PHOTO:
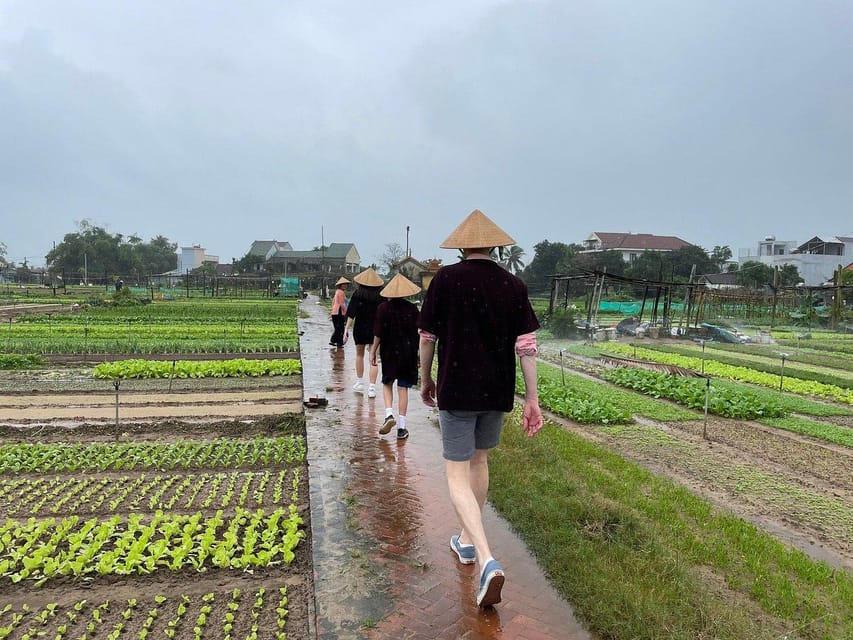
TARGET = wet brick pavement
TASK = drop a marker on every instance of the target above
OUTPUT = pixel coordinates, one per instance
(381, 521)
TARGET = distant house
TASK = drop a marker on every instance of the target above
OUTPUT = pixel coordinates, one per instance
(411, 268)
(263, 250)
(338, 258)
(816, 259)
(266, 248)
(421, 273)
(631, 245)
(718, 280)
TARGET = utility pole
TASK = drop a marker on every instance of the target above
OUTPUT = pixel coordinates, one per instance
(323, 262)
(408, 253)
(836, 300)
(775, 289)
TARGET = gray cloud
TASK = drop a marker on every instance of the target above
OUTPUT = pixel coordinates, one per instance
(209, 122)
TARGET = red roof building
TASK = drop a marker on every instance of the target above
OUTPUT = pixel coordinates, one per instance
(631, 245)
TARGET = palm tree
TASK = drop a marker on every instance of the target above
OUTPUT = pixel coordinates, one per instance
(511, 258)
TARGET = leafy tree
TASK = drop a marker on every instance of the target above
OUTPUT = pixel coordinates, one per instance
(24, 274)
(158, 255)
(546, 258)
(511, 258)
(610, 261)
(206, 268)
(754, 274)
(671, 265)
(650, 265)
(2, 254)
(789, 276)
(249, 263)
(721, 254)
(91, 252)
(683, 260)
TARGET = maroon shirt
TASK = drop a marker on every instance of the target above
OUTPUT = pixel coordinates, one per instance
(476, 309)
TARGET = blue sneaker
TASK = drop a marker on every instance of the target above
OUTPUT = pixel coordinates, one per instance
(465, 552)
(491, 583)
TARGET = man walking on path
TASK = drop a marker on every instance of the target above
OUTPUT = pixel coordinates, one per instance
(479, 317)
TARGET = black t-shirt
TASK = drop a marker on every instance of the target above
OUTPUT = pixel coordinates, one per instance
(362, 309)
(476, 309)
(397, 329)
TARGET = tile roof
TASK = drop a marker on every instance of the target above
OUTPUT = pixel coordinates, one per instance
(640, 241)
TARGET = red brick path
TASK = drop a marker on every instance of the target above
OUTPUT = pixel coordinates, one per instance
(382, 520)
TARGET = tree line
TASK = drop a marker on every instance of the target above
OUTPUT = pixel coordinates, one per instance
(92, 252)
(552, 258)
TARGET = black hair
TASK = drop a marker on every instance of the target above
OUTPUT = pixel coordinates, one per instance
(367, 294)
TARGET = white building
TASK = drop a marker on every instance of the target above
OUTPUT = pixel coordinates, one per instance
(191, 258)
(815, 260)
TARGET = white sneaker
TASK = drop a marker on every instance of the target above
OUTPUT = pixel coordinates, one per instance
(371, 391)
(358, 387)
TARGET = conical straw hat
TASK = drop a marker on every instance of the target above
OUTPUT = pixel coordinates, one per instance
(341, 280)
(369, 278)
(399, 287)
(476, 231)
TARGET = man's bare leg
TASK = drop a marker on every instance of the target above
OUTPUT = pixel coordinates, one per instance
(468, 483)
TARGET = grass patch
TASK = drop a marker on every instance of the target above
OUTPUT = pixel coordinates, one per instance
(641, 557)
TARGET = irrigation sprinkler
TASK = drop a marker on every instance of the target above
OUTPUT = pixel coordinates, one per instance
(707, 396)
(172, 375)
(562, 372)
(703, 342)
(782, 370)
(116, 384)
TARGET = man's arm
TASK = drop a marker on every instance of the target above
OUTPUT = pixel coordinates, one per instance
(531, 419)
(427, 352)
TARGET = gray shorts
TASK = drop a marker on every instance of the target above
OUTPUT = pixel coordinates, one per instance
(463, 432)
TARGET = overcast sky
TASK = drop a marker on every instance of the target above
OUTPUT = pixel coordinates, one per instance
(218, 123)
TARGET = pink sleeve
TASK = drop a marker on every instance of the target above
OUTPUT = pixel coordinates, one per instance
(525, 345)
(426, 335)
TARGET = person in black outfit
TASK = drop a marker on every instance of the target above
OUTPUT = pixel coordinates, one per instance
(395, 341)
(361, 315)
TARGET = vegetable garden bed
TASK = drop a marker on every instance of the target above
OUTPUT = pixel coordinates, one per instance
(188, 527)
